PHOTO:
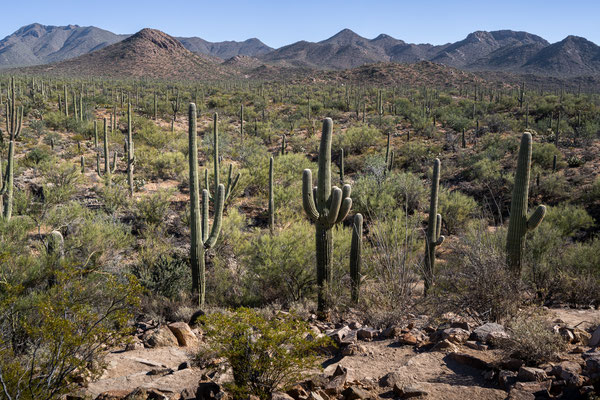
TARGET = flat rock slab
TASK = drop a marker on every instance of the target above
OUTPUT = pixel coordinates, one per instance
(129, 370)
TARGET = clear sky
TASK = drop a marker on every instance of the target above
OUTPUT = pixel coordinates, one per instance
(281, 22)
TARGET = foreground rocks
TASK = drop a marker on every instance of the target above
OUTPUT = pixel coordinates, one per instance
(453, 359)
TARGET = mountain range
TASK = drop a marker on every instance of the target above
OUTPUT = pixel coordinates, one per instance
(499, 51)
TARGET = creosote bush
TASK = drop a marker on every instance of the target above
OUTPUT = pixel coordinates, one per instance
(265, 354)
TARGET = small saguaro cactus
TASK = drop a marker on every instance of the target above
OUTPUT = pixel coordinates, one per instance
(434, 227)
(519, 224)
(356, 257)
(201, 238)
(283, 144)
(271, 198)
(55, 244)
(325, 206)
(14, 122)
(82, 162)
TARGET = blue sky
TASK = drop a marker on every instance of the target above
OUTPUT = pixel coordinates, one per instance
(280, 22)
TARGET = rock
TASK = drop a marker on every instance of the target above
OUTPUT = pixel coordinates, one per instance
(592, 364)
(113, 395)
(281, 396)
(512, 364)
(566, 334)
(184, 365)
(407, 339)
(595, 339)
(516, 394)
(317, 381)
(407, 392)
(207, 390)
(488, 331)
(528, 374)
(506, 379)
(338, 335)
(135, 344)
(298, 393)
(445, 346)
(569, 371)
(581, 336)
(160, 372)
(476, 345)
(183, 333)
(469, 360)
(392, 332)
(162, 337)
(390, 380)
(355, 393)
(355, 325)
(455, 335)
(367, 333)
(195, 318)
(538, 389)
(337, 382)
(187, 394)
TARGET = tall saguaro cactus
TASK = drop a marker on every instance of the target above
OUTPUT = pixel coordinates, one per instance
(201, 238)
(519, 224)
(14, 121)
(330, 207)
(130, 156)
(356, 257)
(271, 198)
(434, 227)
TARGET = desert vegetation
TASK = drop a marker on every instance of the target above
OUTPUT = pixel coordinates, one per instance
(260, 208)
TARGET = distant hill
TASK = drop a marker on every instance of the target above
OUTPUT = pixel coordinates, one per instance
(572, 56)
(225, 50)
(147, 54)
(39, 44)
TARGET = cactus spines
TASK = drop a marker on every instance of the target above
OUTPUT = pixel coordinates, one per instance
(14, 122)
(356, 257)
(434, 226)
(519, 224)
(271, 199)
(130, 156)
(201, 238)
(325, 206)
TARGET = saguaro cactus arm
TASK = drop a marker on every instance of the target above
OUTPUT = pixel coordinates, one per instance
(218, 218)
(308, 200)
(536, 218)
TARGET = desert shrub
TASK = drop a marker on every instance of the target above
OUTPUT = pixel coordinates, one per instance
(477, 280)
(532, 340)
(485, 170)
(497, 123)
(264, 354)
(281, 264)
(457, 209)
(575, 161)
(543, 154)
(152, 210)
(168, 276)
(51, 334)
(37, 156)
(114, 197)
(356, 139)
(393, 266)
(568, 218)
(553, 186)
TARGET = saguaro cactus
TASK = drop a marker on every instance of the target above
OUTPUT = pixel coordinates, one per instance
(519, 224)
(342, 166)
(201, 239)
(330, 207)
(434, 227)
(271, 198)
(356, 257)
(130, 156)
(14, 121)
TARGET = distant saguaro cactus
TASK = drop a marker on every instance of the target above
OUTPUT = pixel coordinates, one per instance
(519, 224)
(201, 239)
(434, 227)
(325, 206)
(231, 182)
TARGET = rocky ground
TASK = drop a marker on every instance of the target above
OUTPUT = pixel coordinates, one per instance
(451, 360)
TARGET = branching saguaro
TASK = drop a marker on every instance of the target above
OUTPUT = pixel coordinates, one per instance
(325, 206)
(519, 224)
(201, 238)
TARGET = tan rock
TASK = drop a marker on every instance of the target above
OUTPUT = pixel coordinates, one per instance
(162, 337)
(183, 333)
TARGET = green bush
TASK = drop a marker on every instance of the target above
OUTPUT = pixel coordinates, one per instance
(357, 139)
(457, 209)
(169, 276)
(152, 210)
(264, 354)
(568, 218)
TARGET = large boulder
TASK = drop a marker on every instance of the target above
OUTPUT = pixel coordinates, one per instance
(488, 332)
(183, 333)
(162, 337)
